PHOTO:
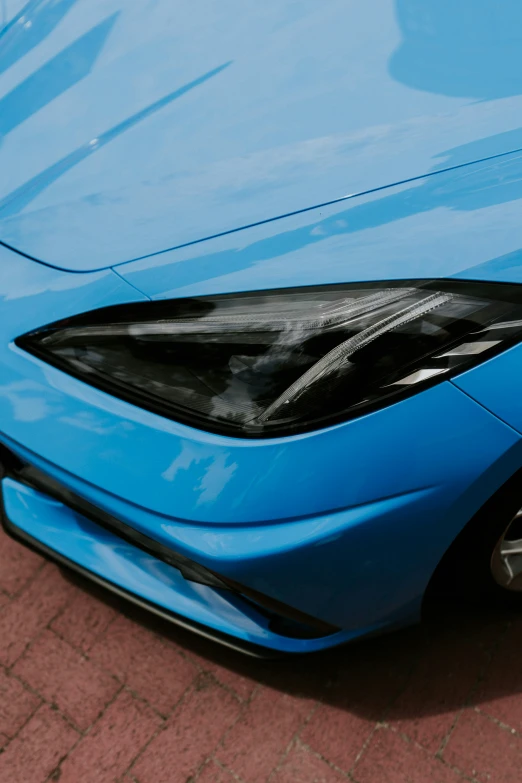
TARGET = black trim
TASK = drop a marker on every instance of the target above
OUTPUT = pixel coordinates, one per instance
(248, 648)
(30, 342)
(191, 571)
(287, 621)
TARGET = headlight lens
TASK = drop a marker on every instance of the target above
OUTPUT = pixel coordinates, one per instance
(276, 363)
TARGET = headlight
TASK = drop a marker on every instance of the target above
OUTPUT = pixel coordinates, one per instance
(280, 362)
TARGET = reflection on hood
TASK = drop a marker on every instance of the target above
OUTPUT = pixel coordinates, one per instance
(471, 48)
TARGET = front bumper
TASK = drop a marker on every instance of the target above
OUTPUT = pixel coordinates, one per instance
(88, 566)
(346, 524)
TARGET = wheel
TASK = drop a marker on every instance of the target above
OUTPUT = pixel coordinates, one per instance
(506, 559)
(484, 564)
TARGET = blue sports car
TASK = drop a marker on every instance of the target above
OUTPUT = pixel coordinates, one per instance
(261, 306)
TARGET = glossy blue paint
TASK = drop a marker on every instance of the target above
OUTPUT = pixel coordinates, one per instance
(11, 10)
(463, 223)
(346, 567)
(104, 555)
(346, 523)
(26, 24)
(57, 76)
(317, 102)
(212, 478)
(495, 385)
(139, 142)
(360, 568)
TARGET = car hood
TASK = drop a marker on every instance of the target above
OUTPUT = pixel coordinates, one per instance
(128, 128)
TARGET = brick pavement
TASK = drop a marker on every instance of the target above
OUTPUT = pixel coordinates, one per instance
(92, 690)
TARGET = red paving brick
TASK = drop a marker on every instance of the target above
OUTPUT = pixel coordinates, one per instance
(64, 676)
(37, 749)
(17, 565)
(191, 735)
(390, 758)
(301, 766)
(416, 707)
(442, 680)
(151, 666)
(255, 745)
(337, 734)
(498, 694)
(17, 704)
(28, 614)
(485, 751)
(83, 621)
(106, 752)
(242, 685)
(338, 730)
(212, 773)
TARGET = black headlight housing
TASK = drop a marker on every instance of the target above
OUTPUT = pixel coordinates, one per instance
(275, 363)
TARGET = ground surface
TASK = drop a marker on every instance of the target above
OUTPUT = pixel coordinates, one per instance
(91, 693)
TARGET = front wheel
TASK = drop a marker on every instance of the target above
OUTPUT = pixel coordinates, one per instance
(506, 559)
(484, 564)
